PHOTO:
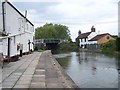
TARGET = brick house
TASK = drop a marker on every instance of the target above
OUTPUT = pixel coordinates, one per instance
(101, 38)
(92, 40)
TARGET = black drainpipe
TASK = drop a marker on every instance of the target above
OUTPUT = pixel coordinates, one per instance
(3, 11)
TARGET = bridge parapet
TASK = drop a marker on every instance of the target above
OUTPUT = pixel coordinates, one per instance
(49, 41)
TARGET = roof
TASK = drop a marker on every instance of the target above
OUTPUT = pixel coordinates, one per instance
(99, 36)
(84, 35)
(18, 12)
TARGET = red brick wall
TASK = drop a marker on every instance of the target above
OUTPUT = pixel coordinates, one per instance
(104, 39)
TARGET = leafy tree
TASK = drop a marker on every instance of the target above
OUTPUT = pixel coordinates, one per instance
(52, 31)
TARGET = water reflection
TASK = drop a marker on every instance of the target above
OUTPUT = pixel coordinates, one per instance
(91, 70)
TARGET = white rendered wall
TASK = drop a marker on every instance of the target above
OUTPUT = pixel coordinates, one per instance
(20, 31)
(93, 34)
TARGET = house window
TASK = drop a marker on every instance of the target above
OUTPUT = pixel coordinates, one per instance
(108, 37)
(19, 22)
(27, 26)
(22, 24)
(85, 39)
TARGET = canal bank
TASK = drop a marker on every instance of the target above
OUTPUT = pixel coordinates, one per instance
(37, 70)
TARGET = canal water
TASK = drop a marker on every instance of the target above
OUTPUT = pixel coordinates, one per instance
(90, 70)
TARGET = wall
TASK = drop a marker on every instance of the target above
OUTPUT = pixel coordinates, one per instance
(89, 37)
(104, 39)
(93, 34)
(1, 44)
(15, 22)
(20, 31)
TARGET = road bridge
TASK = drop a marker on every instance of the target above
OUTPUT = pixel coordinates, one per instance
(50, 44)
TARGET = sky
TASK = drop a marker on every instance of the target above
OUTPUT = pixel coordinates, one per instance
(76, 14)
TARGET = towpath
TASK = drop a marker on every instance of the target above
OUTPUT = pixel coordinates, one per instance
(37, 70)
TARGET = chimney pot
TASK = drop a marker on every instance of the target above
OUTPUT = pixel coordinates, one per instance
(79, 32)
(92, 29)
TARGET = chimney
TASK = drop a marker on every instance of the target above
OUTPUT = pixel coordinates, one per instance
(79, 32)
(92, 29)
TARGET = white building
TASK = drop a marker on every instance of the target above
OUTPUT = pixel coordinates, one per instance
(85, 37)
(16, 31)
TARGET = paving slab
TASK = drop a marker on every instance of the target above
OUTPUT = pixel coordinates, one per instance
(39, 72)
(32, 71)
(38, 78)
(21, 86)
(38, 85)
(23, 82)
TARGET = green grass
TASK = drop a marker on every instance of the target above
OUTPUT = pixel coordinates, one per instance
(40, 50)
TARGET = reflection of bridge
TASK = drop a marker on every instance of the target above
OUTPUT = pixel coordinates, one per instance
(51, 44)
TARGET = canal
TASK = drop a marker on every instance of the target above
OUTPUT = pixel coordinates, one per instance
(90, 69)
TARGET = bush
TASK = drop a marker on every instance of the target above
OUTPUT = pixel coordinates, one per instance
(109, 47)
(118, 44)
(68, 47)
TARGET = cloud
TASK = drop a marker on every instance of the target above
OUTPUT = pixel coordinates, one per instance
(34, 0)
(76, 14)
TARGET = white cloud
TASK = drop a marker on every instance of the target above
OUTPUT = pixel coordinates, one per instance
(34, 0)
(77, 14)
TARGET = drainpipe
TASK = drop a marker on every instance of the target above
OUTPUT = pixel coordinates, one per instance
(4, 17)
(3, 12)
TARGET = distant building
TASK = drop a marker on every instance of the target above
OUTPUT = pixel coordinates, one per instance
(16, 31)
(85, 37)
(101, 38)
(92, 40)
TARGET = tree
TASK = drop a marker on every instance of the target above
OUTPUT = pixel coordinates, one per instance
(52, 31)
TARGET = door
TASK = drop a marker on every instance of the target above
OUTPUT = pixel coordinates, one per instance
(9, 47)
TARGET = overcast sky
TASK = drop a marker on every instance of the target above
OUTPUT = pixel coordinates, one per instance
(76, 14)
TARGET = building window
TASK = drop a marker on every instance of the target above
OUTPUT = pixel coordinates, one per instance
(19, 21)
(27, 26)
(85, 39)
(22, 24)
(108, 37)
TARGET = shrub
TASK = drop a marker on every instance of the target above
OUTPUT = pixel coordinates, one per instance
(109, 47)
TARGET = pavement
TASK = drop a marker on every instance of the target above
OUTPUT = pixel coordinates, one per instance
(37, 70)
